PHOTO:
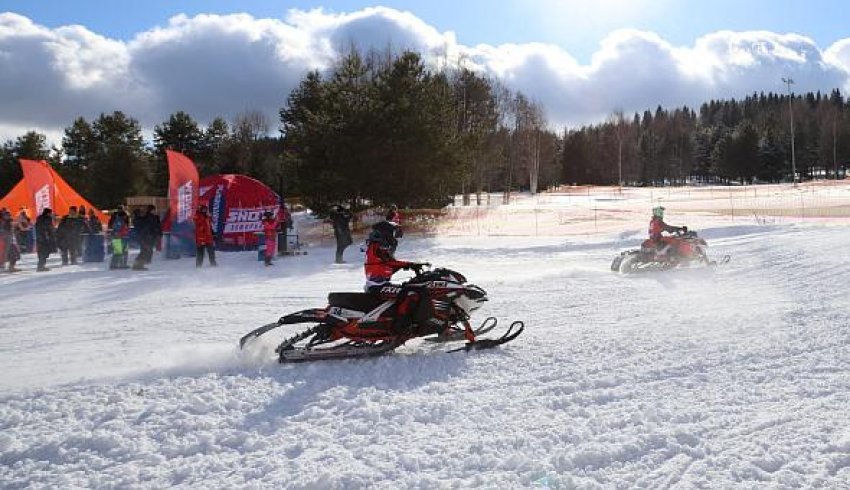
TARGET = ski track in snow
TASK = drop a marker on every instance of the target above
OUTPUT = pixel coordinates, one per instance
(690, 379)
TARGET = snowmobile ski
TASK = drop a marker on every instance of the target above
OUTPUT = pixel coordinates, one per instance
(455, 334)
(513, 332)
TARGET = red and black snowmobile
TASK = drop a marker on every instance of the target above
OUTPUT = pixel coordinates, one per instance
(685, 248)
(364, 324)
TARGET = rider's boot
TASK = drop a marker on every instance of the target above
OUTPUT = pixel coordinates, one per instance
(403, 321)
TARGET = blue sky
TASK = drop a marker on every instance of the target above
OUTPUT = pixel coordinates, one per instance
(577, 26)
(580, 60)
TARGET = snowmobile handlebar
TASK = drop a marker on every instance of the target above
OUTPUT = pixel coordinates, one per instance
(418, 267)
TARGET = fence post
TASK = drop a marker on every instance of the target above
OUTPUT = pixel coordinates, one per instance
(732, 204)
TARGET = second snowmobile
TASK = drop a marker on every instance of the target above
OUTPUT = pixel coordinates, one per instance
(685, 248)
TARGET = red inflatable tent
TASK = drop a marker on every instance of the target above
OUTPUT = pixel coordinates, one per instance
(237, 204)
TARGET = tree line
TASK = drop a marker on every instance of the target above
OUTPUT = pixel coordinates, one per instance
(379, 128)
(732, 140)
(107, 159)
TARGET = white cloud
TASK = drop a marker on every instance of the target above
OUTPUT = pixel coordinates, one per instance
(211, 65)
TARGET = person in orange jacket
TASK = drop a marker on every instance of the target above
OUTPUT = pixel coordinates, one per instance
(204, 239)
(270, 223)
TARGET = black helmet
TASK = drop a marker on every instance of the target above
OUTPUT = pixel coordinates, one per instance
(385, 233)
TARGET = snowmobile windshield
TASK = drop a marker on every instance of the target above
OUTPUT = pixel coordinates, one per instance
(451, 275)
(471, 299)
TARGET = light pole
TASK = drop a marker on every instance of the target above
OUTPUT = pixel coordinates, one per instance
(788, 82)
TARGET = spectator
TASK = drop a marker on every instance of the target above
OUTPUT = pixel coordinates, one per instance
(70, 236)
(284, 226)
(340, 217)
(4, 234)
(204, 239)
(63, 233)
(270, 231)
(148, 231)
(45, 238)
(119, 231)
(84, 225)
(125, 238)
(93, 223)
(23, 228)
(7, 234)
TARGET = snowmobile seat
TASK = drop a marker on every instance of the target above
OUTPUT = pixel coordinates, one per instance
(355, 301)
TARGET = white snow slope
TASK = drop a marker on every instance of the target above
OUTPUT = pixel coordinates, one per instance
(734, 378)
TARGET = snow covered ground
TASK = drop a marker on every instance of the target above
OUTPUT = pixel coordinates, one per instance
(738, 377)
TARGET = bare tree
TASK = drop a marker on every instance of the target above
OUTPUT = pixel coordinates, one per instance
(250, 126)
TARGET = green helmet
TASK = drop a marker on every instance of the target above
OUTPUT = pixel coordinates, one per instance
(658, 211)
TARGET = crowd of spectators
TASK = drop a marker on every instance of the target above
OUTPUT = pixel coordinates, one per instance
(72, 235)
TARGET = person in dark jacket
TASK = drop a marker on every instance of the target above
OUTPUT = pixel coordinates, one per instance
(340, 218)
(45, 238)
(270, 225)
(69, 235)
(93, 223)
(148, 231)
(204, 239)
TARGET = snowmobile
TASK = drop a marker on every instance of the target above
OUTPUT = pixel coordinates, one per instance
(685, 248)
(364, 324)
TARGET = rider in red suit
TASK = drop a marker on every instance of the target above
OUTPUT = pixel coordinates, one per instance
(380, 266)
(657, 226)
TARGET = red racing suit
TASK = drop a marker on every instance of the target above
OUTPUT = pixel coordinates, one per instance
(380, 264)
(657, 226)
